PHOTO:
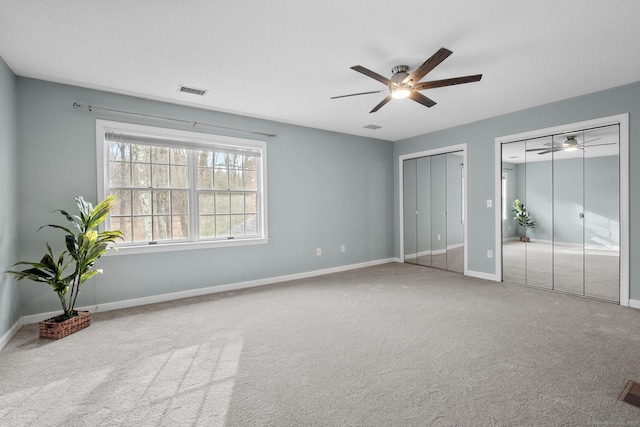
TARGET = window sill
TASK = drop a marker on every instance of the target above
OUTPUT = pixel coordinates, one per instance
(184, 246)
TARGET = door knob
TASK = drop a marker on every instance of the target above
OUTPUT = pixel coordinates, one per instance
(581, 215)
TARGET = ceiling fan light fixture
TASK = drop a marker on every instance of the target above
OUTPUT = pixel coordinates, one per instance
(400, 92)
(570, 144)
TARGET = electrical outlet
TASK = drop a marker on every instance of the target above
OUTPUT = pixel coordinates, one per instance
(438, 237)
(343, 248)
(489, 203)
(319, 251)
(489, 253)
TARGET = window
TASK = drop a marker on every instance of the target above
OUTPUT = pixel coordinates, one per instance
(176, 188)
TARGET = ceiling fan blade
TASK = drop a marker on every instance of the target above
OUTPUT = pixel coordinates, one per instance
(373, 75)
(428, 65)
(421, 99)
(448, 82)
(591, 140)
(381, 104)
(599, 145)
(361, 93)
(538, 149)
(548, 151)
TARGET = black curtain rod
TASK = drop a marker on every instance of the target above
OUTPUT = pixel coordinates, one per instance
(192, 123)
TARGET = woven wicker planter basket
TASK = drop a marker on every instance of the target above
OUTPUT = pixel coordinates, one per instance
(53, 330)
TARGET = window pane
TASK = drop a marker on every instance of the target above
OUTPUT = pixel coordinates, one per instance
(222, 203)
(250, 180)
(205, 158)
(250, 202)
(220, 179)
(141, 175)
(123, 202)
(161, 202)
(205, 179)
(235, 179)
(179, 177)
(122, 223)
(141, 201)
(222, 225)
(120, 174)
(180, 227)
(160, 176)
(142, 229)
(178, 156)
(249, 163)
(180, 202)
(206, 201)
(237, 202)
(237, 225)
(235, 161)
(140, 153)
(119, 152)
(160, 155)
(251, 225)
(220, 160)
(161, 227)
(207, 226)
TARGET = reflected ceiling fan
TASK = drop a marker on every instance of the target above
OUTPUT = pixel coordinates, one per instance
(405, 85)
(570, 144)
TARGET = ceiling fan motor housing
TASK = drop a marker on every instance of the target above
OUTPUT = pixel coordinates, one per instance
(399, 73)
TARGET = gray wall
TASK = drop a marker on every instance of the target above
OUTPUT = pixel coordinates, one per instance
(325, 189)
(9, 292)
(480, 137)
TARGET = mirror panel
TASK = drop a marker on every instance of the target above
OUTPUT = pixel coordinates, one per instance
(568, 215)
(537, 231)
(409, 209)
(602, 213)
(513, 185)
(438, 211)
(455, 217)
(423, 216)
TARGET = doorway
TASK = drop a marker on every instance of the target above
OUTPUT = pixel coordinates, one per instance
(563, 222)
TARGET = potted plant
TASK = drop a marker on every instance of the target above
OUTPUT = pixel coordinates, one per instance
(75, 265)
(523, 218)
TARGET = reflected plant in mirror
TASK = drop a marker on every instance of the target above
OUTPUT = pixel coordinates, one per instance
(523, 218)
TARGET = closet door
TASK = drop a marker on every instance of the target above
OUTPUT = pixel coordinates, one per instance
(439, 211)
(409, 192)
(423, 216)
(568, 215)
(455, 219)
(602, 213)
(514, 251)
(537, 200)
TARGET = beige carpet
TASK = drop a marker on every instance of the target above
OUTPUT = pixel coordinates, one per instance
(391, 345)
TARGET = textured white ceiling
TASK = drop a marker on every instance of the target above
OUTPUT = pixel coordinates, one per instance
(284, 59)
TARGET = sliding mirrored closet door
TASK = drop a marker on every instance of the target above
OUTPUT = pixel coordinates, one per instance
(563, 231)
(433, 206)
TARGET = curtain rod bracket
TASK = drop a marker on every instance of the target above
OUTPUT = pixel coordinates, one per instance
(192, 123)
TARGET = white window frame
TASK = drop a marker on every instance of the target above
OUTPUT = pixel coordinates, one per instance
(197, 140)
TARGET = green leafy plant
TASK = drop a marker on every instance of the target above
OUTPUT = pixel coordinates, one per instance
(521, 215)
(75, 265)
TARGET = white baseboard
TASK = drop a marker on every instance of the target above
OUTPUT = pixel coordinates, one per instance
(481, 275)
(634, 303)
(35, 318)
(10, 333)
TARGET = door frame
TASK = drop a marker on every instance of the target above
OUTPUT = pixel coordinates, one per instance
(433, 152)
(619, 119)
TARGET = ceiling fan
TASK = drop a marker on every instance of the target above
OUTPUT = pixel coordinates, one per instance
(405, 85)
(570, 144)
